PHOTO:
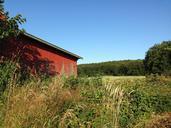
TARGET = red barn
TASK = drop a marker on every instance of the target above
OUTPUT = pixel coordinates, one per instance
(39, 56)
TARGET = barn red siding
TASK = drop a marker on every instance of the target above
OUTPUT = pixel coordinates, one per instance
(39, 57)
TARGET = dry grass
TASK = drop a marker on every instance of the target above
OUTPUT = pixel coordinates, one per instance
(37, 106)
(160, 121)
(116, 95)
(70, 119)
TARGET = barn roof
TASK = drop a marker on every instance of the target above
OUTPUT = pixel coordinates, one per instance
(52, 45)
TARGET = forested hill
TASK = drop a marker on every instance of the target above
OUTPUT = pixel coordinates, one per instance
(115, 68)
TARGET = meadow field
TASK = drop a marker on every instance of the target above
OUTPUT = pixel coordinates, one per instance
(87, 102)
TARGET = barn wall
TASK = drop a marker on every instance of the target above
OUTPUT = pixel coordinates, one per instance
(38, 57)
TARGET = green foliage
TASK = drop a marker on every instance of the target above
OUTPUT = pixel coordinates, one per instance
(141, 101)
(141, 106)
(158, 59)
(142, 98)
(115, 68)
(10, 70)
(1, 5)
(91, 109)
(71, 82)
(7, 71)
(9, 27)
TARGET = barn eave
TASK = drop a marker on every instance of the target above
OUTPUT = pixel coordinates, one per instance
(52, 45)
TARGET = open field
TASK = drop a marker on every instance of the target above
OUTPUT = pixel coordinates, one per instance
(150, 84)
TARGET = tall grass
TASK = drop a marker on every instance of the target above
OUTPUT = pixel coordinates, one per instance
(116, 94)
(72, 102)
(38, 106)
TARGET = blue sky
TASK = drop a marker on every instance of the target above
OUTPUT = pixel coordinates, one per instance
(97, 30)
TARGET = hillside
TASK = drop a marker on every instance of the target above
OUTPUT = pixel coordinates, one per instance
(115, 68)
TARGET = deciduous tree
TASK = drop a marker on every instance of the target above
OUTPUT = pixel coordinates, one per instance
(158, 59)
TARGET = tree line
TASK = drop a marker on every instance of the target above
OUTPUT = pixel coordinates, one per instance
(156, 61)
(115, 68)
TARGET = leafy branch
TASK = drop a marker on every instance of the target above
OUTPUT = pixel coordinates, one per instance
(9, 26)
